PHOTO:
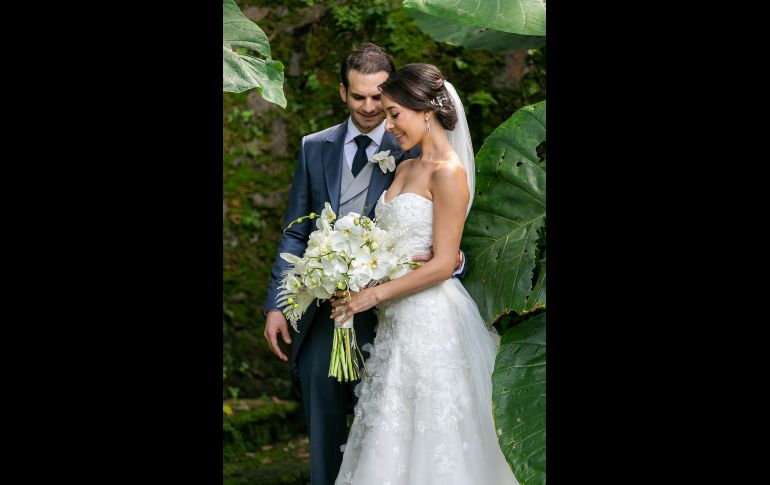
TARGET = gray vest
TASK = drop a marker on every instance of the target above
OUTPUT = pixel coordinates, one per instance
(353, 191)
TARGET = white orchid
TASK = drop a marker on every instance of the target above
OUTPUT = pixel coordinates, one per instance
(399, 269)
(379, 239)
(359, 280)
(320, 239)
(348, 234)
(349, 253)
(291, 283)
(346, 253)
(327, 218)
(376, 264)
(385, 160)
(335, 267)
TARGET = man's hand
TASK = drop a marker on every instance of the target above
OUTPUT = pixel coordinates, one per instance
(275, 324)
(424, 258)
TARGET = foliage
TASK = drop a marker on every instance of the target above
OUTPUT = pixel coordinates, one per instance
(241, 72)
(502, 230)
(504, 239)
(473, 37)
(518, 398)
(351, 15)
(524, 17)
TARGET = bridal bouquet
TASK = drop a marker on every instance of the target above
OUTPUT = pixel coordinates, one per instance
(350, 253)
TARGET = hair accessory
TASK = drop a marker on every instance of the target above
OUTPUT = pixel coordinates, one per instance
(438, 100)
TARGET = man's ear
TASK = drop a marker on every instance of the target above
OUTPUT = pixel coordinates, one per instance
(343, 93)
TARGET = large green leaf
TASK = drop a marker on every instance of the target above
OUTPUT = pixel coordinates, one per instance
(473, 37)
(507, 218)
(240, 71)
(518, 399)
(524, 17)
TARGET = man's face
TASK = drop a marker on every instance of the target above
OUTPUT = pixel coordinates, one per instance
(363, 98)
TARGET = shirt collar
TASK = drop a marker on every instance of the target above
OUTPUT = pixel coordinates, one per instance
(376, 134)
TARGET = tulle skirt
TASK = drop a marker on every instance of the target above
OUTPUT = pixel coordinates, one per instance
(424, 414)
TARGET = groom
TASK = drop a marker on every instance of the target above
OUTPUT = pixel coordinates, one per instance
(333, 167)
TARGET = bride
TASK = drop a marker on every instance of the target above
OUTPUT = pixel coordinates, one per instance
(424, 413)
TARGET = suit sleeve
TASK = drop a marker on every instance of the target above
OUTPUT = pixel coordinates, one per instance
(294, 240)
(460, 272)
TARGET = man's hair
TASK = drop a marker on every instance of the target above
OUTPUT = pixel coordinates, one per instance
(366, 59)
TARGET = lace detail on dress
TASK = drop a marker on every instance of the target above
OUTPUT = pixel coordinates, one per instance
(411, 217)
(418, 419)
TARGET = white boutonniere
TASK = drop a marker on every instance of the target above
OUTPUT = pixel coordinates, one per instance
(385, 160)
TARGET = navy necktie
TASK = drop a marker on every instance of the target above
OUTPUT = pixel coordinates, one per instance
(359, 161)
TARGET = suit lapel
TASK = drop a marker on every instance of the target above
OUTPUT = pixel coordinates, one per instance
(332, 162)
(381, 181)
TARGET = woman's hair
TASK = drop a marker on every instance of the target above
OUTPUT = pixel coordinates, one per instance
(420, 87)
(367, 59)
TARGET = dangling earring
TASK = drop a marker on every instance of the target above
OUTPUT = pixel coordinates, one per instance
(427, 125)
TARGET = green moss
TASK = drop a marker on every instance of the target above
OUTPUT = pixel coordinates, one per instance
(259, 422)
(286, 462)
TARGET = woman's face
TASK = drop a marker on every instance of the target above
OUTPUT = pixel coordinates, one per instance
(408, 126)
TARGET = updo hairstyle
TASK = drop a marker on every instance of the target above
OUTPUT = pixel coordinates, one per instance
(420, 87)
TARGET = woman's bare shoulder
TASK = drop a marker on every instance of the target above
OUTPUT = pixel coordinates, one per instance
(404, 163)
(451, 167)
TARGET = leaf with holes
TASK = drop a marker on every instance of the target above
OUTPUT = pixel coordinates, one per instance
(472, 37)
(241, 72)
(523, 17)
(504, 234)
(518, 399)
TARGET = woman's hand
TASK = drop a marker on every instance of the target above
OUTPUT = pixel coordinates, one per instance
(348, 303)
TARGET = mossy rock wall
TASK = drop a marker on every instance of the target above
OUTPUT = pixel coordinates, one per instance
(265, 441)
(258, 422)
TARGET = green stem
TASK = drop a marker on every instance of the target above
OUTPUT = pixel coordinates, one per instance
(349, 355)
(332, 361)
(336, 355)
(344, 367)
(363, 361)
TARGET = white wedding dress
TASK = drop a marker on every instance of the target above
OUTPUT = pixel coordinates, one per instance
(424, 414)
